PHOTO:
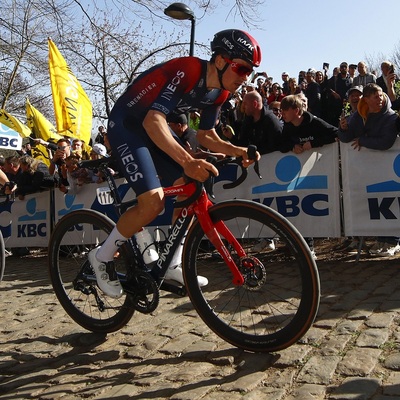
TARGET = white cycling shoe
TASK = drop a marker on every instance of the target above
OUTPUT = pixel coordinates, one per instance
(175, 274)
(106, 275)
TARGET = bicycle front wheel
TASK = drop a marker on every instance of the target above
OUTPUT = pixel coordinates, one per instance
(279, 300)
(72, 276)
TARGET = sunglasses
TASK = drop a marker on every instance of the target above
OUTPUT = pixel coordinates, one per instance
(239, 69)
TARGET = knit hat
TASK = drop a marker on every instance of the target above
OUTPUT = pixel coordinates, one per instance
(177, 118)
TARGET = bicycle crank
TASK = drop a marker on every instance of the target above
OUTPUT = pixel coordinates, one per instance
(143, 292)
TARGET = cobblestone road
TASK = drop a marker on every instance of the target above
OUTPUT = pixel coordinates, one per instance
(351, 352)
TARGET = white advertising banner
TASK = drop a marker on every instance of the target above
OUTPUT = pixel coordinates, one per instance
(371, 191)
(302, 187)
(26, 223)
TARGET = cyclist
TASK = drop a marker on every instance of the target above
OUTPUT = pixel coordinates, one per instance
(151, 156)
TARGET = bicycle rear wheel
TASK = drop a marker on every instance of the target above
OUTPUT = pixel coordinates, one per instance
(72, 276)
(280, 298)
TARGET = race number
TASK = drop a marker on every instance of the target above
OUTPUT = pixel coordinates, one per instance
(104, 196)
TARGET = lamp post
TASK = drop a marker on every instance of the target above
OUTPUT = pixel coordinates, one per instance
(181, 11)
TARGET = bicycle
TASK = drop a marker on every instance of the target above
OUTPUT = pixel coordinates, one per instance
(258, 301)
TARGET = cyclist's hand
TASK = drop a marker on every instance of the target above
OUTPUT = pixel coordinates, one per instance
(242, 152)
(199, 170)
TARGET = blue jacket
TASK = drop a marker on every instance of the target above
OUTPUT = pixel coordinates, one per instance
(378, 131)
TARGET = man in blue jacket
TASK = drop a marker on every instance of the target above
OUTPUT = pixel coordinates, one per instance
(374, 124)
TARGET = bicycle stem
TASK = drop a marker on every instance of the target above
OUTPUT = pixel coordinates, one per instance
(213, 232)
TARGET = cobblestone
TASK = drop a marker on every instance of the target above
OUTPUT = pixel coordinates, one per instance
(351, 352)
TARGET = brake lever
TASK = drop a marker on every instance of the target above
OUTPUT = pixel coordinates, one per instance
(209, 183)
(251, 152)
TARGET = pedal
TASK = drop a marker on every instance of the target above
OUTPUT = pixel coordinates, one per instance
(178, 290)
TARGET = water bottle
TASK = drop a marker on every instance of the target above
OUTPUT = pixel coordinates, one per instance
(146, 246)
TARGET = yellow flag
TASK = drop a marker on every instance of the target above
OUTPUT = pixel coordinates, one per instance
(14, 123)
(72, 107)
(41, 128)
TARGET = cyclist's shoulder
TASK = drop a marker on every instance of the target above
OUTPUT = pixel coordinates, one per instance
(190, 66)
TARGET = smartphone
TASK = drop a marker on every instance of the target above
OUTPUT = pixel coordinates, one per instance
(325, 66)
(391, 69)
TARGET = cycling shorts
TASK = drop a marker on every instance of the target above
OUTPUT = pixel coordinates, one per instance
(143, 164)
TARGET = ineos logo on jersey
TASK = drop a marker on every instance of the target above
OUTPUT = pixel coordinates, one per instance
(171, 87)
(129, 162)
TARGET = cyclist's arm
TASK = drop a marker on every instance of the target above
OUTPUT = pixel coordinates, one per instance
(157, 128)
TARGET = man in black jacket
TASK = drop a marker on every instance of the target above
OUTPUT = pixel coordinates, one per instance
(261, 127)
(303, 131)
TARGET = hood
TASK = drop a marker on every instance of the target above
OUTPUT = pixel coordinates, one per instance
(362, 106)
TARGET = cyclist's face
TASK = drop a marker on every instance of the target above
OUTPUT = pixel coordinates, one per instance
(236, 74)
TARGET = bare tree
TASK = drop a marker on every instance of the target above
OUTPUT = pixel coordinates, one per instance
(104, 43)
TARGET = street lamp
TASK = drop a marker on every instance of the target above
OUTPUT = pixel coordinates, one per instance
(181, 11)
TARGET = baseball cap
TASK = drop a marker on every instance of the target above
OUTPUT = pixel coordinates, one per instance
(285, 73)
(359, 88)
(344, 64)
(100, 149)
(177, 118)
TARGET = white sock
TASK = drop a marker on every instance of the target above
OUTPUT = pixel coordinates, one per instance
(110, 246)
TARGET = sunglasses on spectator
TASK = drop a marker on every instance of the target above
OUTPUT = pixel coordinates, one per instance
(62, 147)
(239, 69)
(276, 110)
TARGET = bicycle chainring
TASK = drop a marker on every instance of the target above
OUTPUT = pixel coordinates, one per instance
(143, 291)
(254, 273)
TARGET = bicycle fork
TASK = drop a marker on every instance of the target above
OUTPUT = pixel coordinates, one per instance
(214, 231)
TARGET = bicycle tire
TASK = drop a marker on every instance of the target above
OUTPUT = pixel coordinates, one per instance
(2, 256)
(73, 279)
(278, 305)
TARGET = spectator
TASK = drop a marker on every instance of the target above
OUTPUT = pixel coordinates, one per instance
(98, 151)
(187, 136)
(373, 126)
(194, 120)
(100, 136)
(78, 147)
(302, 131)
(62, 152)
(74, 177)
(260, 126)
(335, 94)
(364, 77)
(294, 88)
(285, 84)
(275, 107)
(276, 93)
(352, 70)
(35, 177)
(353, 95)
(386, 67)
(12, 169)
(322, 81)
(313, 93)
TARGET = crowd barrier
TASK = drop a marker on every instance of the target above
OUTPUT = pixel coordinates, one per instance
(304, 188)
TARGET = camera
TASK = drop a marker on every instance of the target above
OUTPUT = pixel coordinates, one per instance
(325, 66)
